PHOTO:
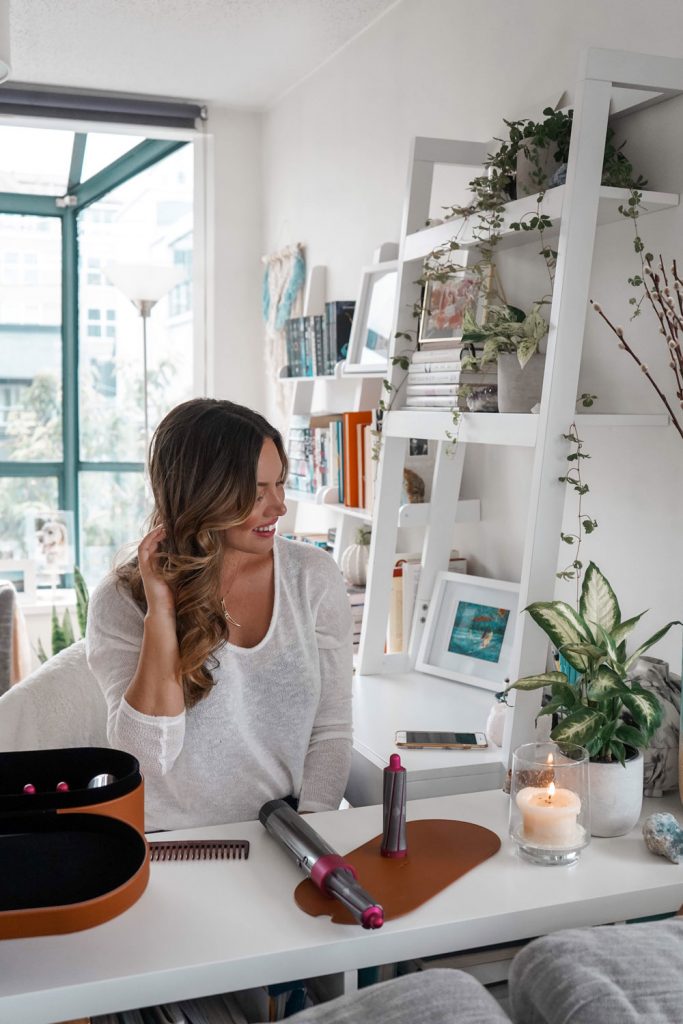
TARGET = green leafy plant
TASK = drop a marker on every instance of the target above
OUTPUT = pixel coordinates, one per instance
(602, 711)
(506, 329)
(62, 633)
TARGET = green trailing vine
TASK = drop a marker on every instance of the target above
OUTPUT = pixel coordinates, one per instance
(586, 524)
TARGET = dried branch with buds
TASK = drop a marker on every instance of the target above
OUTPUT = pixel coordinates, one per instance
(664, 292)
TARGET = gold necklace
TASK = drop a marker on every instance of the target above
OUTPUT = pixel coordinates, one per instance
(228, 617)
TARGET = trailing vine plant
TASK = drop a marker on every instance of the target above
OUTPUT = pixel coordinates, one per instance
(586, 524)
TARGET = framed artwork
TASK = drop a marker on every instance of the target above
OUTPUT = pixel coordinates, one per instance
(50, 544)
(444, 306)
(470, 631)
(373, 320)
(21, 572)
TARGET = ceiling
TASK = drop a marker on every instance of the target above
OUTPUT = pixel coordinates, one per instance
(242, 53)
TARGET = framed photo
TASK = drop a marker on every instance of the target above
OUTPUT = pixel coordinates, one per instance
(373, 320)
(444, 306)
(50, 544)
(470, 631)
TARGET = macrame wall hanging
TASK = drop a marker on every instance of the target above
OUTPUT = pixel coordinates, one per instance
(283, 297)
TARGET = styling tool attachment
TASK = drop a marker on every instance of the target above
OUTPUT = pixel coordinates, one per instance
(394, 843)
(199, 849)
(98, 781)
(320, 862)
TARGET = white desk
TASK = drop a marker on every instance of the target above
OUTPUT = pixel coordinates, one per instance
(227, 925)
(382, 704)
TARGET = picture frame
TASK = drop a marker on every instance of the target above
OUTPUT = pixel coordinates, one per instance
(470, 632)
(373, 320)
(49, 536)
(444, 304)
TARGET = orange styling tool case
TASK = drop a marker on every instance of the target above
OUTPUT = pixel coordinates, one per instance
(69, 858)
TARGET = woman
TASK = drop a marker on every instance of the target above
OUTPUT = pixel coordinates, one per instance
(224, 651)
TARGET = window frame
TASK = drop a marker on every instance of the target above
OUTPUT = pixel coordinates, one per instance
(67, 208)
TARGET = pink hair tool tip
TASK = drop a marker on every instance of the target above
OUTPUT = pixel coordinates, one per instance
(62, 787)
(29, 788)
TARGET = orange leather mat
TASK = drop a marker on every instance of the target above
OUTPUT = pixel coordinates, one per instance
(439, 852)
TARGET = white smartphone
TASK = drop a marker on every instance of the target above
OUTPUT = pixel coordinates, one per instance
(445, 740)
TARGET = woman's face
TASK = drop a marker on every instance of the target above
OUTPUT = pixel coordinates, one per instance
(256, 534)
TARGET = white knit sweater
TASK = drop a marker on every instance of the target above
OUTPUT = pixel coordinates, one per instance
(277, 721)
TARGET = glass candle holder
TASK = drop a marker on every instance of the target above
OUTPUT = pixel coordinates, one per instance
(550, 802)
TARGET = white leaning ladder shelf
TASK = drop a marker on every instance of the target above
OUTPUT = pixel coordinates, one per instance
(628, 81)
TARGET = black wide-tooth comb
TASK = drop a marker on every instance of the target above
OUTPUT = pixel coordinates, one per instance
(199, 849)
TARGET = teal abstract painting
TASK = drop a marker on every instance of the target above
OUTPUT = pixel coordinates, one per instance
(478, 631)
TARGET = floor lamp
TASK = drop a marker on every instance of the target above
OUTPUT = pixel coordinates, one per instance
(144, 285)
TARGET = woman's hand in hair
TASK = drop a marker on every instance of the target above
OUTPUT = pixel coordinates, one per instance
(159, 596)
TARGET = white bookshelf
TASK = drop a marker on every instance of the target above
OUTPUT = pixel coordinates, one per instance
(388, 688)
(420, 244)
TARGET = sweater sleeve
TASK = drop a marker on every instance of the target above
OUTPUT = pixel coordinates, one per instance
(328, 760)
(113, 642)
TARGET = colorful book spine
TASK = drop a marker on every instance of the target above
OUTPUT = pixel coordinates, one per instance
(351, 456)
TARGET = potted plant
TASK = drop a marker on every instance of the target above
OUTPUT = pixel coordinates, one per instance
(534, 156)
(510, 338)
(601, 710)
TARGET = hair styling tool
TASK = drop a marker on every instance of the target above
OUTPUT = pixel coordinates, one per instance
(199, 849)
(320, 862)
(394, 843)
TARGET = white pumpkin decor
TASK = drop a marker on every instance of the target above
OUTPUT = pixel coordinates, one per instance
(354, 560)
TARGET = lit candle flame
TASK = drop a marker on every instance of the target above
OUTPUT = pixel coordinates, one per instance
(551, 791)
(549, 759)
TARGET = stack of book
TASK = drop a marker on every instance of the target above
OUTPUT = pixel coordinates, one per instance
(406, 576)
(308, 455)
(357, 602)
(436, 380)
(316, 343)
(335, 451)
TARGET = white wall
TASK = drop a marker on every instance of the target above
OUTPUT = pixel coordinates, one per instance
(335, 163)
(235, 239)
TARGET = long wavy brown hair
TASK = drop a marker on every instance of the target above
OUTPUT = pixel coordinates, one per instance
(203, 471)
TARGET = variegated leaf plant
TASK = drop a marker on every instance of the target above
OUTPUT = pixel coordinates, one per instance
(593, 641)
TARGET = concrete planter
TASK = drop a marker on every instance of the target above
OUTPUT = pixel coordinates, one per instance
(616, 796)
(547, 165)
(519, 390)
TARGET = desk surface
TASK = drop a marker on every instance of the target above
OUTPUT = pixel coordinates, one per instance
(385, 703)
(226, 925)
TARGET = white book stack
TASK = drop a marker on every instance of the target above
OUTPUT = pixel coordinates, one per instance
(357, 601)
(436, 380)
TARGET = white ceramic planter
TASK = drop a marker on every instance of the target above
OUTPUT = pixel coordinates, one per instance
(616, 796)
(519, 389)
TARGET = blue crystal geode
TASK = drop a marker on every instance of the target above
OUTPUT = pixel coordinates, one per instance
(663, 835)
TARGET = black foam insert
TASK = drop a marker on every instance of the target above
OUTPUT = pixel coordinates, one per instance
(53, 860)
(75, 766)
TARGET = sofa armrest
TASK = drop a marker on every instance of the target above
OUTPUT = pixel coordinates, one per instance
(614, 974)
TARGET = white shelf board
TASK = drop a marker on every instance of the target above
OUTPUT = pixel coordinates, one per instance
(511, 429)
(623, 420)
(416, 514)
(477, 428)
(422, 243)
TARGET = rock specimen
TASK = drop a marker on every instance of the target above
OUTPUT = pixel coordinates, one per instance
(663, 835)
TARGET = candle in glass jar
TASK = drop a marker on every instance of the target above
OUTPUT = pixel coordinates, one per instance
(549, 815)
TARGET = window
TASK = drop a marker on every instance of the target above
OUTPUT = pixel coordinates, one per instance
(76, 441)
